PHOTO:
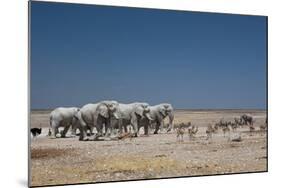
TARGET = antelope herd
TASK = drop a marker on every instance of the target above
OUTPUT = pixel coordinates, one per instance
(226, 127)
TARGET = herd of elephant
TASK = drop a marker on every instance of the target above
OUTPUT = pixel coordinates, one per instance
(109, 116)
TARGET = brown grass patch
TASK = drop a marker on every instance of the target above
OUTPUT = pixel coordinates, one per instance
(49, 153)
(137, 164)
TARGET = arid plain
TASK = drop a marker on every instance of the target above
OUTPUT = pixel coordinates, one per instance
(69, 161)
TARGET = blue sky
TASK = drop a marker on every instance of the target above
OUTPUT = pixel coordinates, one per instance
(85, 53)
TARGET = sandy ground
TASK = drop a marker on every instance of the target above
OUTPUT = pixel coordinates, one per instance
(69, 161)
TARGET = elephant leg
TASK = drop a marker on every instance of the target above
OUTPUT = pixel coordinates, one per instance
(82, 135)
(102, 131)
(161, 127)
(146, 129)
(120, 126)
(66, 128)
(157, 127)
(90, 128)
(99, 128)
(54, 127)
(55, 131)
(74, 127)
(112, 130)
(99, 131)
(108, 130)
(139, 127)
(88, 131)
(73, 130)
(83, 131)
(134, 123)
(98, 134)
(125, 129)
(135, 131)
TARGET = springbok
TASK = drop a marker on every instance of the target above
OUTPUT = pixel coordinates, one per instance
(180, 133)
(225, 129)
(209, 131)
(192, 132)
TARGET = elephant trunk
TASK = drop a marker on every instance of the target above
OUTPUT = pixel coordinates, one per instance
(115, 115)
(147, 115)
(171, 119)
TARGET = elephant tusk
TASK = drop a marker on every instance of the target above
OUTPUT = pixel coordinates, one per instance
(116, 116)
(148, 117)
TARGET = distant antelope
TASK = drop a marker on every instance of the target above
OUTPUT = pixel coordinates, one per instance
(180, 133)
(210, 130)
(192, 132)
(238, 121)
(216, 127)
(185, 125)
(263, 127)
(225, 129)
(234, 126)
(188, 124)
(252, 128)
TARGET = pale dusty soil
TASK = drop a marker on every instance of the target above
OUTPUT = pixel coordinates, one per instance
(69, 161)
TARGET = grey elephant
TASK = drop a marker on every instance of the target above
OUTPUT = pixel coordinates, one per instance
(157, 114)
(78, 126)
(131, 114)
(97, 115)
(247, 119)
(63, 117)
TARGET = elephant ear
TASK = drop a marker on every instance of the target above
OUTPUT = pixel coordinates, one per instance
(77, 113)
(162, 110)
(103, 110)
(139, 110)
(170, 108)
